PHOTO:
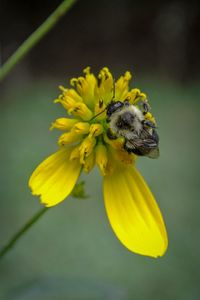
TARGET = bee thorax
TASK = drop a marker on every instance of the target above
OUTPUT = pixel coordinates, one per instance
(127, 121)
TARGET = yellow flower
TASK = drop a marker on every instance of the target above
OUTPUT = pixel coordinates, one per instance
(131, 208)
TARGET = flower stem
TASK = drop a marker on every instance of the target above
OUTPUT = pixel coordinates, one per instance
(35, 37)
(21, 232)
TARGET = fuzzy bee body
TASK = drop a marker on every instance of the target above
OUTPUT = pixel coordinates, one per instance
(128, 121)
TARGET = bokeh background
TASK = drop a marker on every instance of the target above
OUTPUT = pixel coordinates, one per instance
(72, 253)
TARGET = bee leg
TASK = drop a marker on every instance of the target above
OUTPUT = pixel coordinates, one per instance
(146, 107)
(148, 123)
(155, 136)
(110, 135)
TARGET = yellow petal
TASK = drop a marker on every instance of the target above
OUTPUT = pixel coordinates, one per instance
(55, 177)
(133, 213)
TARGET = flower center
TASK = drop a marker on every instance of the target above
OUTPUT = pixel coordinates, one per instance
(106, 122)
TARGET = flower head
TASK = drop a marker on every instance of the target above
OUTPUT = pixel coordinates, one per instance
(108, 125)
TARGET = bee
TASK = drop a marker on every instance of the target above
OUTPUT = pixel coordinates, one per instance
(128, 121)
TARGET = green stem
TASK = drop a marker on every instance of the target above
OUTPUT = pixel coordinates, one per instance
(21, 232)
(35, 37)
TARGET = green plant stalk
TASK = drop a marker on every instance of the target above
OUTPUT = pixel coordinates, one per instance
(21, 232)
(35, 37)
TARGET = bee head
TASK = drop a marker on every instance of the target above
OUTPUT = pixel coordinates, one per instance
(125, 120)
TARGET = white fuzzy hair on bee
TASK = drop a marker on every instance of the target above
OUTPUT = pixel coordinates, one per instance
(135, 118)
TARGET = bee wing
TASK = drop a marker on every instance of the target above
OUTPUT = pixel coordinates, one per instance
(146, 147)
(154, 153)
(150, 148)
(149, 144)
(150, 135)
(146, 143)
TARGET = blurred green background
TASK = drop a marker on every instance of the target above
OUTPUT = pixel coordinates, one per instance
(72, 253)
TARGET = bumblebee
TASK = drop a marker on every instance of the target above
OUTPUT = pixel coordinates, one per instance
(128, 121)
